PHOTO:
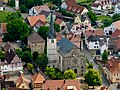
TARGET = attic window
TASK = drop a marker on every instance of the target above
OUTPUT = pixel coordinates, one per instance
(78, 11)
(52, 41)
(70, 87)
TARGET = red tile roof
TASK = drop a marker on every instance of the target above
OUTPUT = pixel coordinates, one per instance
(59, 36)
(62, 85)
(42, 7)
(116, 33)
(117, 24)
(34, 19)
(3, 27)
(37, 78)
(22, 80)
(113, 65)
(94, 33)
(58, 21)
(68, 2)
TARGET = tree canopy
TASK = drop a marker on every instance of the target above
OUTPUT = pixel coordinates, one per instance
(69, 74)
(105, 56)
(93, 78)
(27, 57)
(43, 31)
(42, 60)
(116, 17)
(92, 17)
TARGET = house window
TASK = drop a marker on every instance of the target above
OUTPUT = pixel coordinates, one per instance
(52, 41)
(96, 43)
(59, 59)
(35, 44)
(94, 46)
(68, 62)
(75, 71)
(97, 46)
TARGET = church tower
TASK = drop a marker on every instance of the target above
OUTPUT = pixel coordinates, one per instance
(52, 45)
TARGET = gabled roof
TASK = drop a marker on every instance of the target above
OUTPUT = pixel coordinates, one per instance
(65, 46)
(68, 2)
(84, 17)
(37, 78)
(93, 38)
(62, 85)
(34, 19)
(46, 13)
(22, 80)
(117, 24)
(9, 56)
(58, 21)
(95, 4)
(94, 33)
(42, 7)
(36, 38)
(113, 65)
(75, 8)
(3, 27)
(116, 34)
(7, 46)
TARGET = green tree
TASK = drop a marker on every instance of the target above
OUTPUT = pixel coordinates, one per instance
(27, 57)
(35, 55)
(106, 23)
(19, 52)
(23, 8)
(14, 15)
(92, 17)
(16, 29)
(69, 74)
(50, 71)
(105, 56)
(42, 60)
(30, 67)
(93, 78)
(57, 27)
(90, 66)
(43, 31)
(116, 17)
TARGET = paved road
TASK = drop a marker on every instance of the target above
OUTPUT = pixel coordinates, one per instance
(95, 66)
(7, 8)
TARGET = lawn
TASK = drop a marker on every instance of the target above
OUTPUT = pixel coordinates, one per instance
(87, 2)
(3, 15)
(103, 17)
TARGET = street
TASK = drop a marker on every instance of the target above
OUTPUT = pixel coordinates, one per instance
(95, 66)
(7, 8)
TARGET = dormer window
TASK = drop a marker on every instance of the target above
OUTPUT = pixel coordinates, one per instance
(52, 41)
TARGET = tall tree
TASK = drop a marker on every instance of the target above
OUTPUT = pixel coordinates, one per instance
(92, 17)
(69, 74)
(50, 71)
(105, 56)
(93, 78)
(116, 17)
(43, 31)
(19, 52)
(17, 29)
(57, 27)
(27, 57)
(42, 60)
(35, 55)
(14, 15)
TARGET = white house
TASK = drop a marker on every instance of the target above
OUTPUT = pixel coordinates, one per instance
(96, 6)
(11, 63)
(109, 30)
(1, 5)
(34, 11)
(117, 10)
(92, 42)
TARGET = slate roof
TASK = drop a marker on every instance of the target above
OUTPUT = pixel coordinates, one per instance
(7, 46)
(84, 17)
(65, 46)
(9, 56)
(36, 38)
(93, 38)
(46, 13)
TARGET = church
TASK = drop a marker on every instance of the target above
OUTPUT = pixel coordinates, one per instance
(64, 54)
